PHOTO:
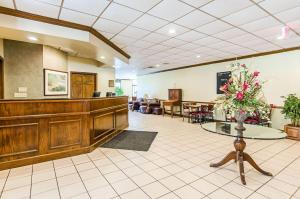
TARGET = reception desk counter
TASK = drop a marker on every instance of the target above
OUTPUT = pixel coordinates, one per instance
(33, 131)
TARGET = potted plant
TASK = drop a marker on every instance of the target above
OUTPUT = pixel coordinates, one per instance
(291, 110)
(119, 91)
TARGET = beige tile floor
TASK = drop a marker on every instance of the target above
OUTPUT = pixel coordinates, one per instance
(176, 166)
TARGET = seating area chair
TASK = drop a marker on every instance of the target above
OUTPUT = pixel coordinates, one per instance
(187, 111)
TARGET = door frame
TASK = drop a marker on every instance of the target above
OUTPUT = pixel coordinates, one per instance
(2, 74)
(83, 73)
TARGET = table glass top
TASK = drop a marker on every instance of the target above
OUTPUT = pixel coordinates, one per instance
(251, 132)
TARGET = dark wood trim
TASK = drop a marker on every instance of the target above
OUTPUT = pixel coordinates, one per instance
(26, 15)
(2, 77)
(229, 59)
(45, 82)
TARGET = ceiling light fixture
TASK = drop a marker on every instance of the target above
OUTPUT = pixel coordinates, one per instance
(32, 38)
(157, 65)
(198, 56)
(284, 33)
(172, 31)
(102, 57)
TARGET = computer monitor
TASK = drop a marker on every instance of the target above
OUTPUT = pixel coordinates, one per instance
(108, 94)
(96, 94)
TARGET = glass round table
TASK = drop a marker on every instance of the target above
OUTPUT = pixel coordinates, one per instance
(248, 132)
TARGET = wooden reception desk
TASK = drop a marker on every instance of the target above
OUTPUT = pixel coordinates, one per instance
(33, 131)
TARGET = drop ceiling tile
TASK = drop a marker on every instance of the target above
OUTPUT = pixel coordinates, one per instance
(7, 3)
(148, 51)
(289, 15)
(77, 17)
(207, 41)
(203, 50)
(155, 38)
(133, 32)
(158, 47)
(275, 6)
(142, 5)
(295, 25)
(189, 46)
(149, 22)
(254, 42)
(93, 7)
(197, 3)
(121, 14)
(170, 9)
(173, 42)
(220, 45)
(214, 27)
(142, 44)
(53, 2)
(260, 24)
(191, 36)
(267, 32)
(195, 19)
(125, 41)
(242, 51)
(227, 34)
(37, 7)
(246, 15)
(292, 41)
(221, 8)
(241, 39)
(108, 26)
(265, 47)
(165, 30)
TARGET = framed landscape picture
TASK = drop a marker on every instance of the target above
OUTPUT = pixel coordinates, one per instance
(55, 82)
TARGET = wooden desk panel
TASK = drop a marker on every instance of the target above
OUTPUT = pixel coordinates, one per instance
(40, 130)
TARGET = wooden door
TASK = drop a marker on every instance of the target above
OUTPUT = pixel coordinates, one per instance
(1, 79)
(76, 85)
(89, 85)
(83, 84)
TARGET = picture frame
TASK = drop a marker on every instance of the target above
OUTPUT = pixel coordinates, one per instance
(222, 78)
(55, 82)
(111, 83)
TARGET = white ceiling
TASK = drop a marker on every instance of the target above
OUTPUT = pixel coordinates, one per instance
(211, 29)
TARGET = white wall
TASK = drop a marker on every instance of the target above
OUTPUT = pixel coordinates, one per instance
(103, 73)
(199, 83)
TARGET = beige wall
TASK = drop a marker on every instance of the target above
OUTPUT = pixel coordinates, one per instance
(103, 73)
(24, 64)
(23, 67)
(1, 47)
(199, 83)
(54, 59)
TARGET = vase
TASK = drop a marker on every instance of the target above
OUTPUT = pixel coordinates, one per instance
(240, 117)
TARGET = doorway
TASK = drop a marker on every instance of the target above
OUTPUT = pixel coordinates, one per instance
(1, 79)
(83, 85)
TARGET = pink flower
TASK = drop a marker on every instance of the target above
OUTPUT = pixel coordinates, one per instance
(243, 65)
(240, 96)
(230, 81)
(256, 73)
(245, 86)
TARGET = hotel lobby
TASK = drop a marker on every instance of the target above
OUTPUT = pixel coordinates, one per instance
(149, 99)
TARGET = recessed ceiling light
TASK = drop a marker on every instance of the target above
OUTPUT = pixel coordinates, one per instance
(172, 31)
(198, 56)
(157, 65)
(32, 38)
(102, 57)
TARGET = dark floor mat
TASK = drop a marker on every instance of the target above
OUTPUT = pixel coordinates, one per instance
(132, 140)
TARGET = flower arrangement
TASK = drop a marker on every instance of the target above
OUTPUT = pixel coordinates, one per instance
(243, 93)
